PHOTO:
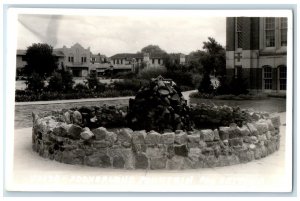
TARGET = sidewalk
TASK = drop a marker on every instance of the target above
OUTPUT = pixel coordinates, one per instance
(32, 172)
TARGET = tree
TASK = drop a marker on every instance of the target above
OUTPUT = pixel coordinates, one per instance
(56, 82)
(153, 49)
(214, 60)
(205, 85)
(35, 83)
(40, 60)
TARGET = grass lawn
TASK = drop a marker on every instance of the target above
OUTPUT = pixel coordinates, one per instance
(267, 105)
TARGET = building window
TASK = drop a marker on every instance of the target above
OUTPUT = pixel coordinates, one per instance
(270, 31)
(158, 61)
(117, 61)
(121, 61)
(238, 29)
(267, 77)
(71, 59)
(153, 61)
(282, 78)
(83, 59)
(283, 31)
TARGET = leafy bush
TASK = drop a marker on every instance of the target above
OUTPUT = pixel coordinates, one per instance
(35, 83)
(56, 82)
(205, 85)
(180, 77)
(196, 79)
(79, 87)
(147, 74)
(134, 84)
(68, 82)
(94, 84)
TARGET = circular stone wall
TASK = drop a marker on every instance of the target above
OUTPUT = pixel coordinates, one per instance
(67, 142)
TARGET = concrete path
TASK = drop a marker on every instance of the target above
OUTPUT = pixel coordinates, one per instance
(32, 172)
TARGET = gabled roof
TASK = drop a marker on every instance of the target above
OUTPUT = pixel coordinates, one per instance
(136, 55)
(127, 56)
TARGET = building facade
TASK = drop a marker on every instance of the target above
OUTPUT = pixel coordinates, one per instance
(256, 47)
(81, 61)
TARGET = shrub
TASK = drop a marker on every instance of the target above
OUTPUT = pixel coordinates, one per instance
(147, 74)
(35, 83)
(68, 82)
(94, 84)
(56, 82)
(180, 77)
(134, 84)
(205, 85)
(196, 79)
(80, 88)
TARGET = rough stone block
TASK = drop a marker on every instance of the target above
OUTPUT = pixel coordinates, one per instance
(235, 142)
(61, 129)
(175, 163)
(124, 135)
(262, 127)
(100, 133)
(246, 156)
(74, 131)
(224, 132)
(98, 159)
(253, 130)
(141, 161)
(155, 152)
(86, 134)
(111, 137)
(275, 118)
(216, 134)
(118, 162)
(194, 152)
(67, 117)
(207, 151)
(77, 117)
(270, 125)
(207, 135)
(158, 163)
(137, 148)
(101, 143)
(70, 158)
(262, 137)
(138, 137)
(181, 138)
(244, 130)
(194, 138)
(181, 150)
(168, 138)
(153, 138)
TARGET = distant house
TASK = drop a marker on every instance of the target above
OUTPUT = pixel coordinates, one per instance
(81, 61)
(78, 60)
(256, 47)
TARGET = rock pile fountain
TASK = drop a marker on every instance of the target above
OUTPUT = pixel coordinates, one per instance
(157, 131)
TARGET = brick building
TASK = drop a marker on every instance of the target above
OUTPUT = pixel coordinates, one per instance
(256, 48)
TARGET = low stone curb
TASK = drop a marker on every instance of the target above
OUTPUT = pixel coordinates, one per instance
(128, 149)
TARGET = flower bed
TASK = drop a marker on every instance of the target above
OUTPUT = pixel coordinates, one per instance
(65, 136)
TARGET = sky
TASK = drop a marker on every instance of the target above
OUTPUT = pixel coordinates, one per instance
(110, 35)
